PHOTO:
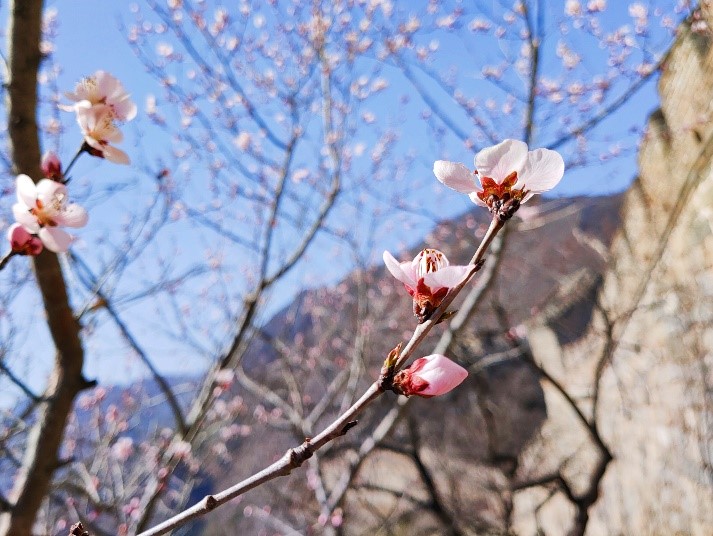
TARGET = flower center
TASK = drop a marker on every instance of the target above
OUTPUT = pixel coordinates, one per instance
(45, 214)
(431, 260)
(492, 191)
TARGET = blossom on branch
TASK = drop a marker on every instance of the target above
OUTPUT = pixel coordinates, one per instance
(99, 101)
(427, 278)
(100, 131)
(22, 241)
(52, 167)
(508, 174)
(429, 376)
(42, 208)
(103, 89)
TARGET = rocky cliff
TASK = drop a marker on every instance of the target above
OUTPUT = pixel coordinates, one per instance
(643, 373)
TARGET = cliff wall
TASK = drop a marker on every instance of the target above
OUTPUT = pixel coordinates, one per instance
(643, 373)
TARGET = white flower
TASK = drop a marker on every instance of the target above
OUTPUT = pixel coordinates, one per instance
(505, 171)
(42, 208)
(99, 129)
(103, 89)
(427, 278)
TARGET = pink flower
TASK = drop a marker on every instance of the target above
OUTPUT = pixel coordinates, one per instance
(123, 448)
(433, 375)
(22, 242)
(103, 89)
(224, 378)
(506, 172)
(52, 167)
(427, 278)
(42, 208)
(99, 129)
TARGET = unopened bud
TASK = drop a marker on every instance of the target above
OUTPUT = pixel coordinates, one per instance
(22, 242)
(429, 376)
(52, 167)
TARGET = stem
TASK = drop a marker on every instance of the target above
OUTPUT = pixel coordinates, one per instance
(295, 457)
(423, 329)
(10, 254)
(82, 149)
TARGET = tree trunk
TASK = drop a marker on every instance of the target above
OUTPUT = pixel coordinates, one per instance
(43, 443)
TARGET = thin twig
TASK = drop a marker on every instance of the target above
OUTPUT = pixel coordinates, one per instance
(9, 255)
(295, 457)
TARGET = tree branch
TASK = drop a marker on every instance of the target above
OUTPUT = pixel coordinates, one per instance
(295, 457)
(66, 380)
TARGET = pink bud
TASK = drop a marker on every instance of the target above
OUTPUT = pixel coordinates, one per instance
(429, 376)
(52, 167)
(22, 242)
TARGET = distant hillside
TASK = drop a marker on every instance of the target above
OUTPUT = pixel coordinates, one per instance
(557, 254)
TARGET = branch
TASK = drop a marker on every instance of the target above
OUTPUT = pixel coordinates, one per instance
(295, 457)
(613, 107)
(9, 255)
(66, 380)
(17, 381)
(123, 328)
(292, 459)
(5, 505)
(534, 40)
(436, 503)
(469, 305)
(231, 358)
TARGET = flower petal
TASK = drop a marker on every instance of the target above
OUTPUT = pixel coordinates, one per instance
(26, 191)
(475, 199)
(49, 193)
(25, 218)
(55, 239)
(125, 109)
(448, 277)
(72, 215)
(542, 170)
(455, 175)
(115, 155)
(400, 271)
(48, 189)
(441, 374)
(498, 161)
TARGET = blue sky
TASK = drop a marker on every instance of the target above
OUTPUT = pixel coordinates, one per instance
(89, 39)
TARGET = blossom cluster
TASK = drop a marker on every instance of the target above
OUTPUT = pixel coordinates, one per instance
(43, 208)
(508, 175)
(99, 102)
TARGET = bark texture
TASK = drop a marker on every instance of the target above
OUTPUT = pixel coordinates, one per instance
(43, 443)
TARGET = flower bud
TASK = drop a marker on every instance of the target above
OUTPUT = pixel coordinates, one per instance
(22, 242)
(429, 376)
(52, 167)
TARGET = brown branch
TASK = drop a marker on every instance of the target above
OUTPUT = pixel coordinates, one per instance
(534, 39)
(613, 107)
(394, 415)
(9, 255)
(295, 457)
(292, 459)
(436, 503)
(66, 380)
(228, 68)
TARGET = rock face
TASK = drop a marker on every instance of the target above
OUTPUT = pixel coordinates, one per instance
(643, 373)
